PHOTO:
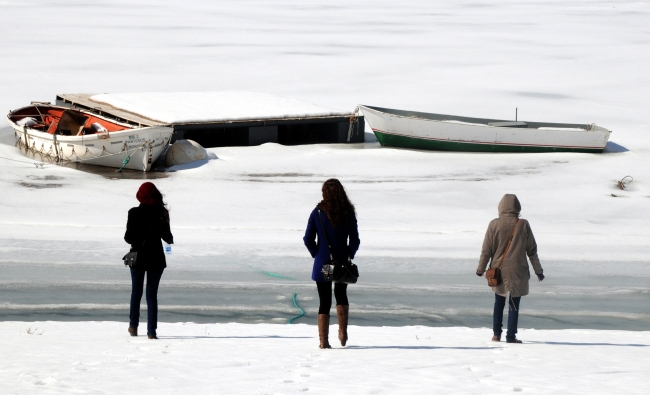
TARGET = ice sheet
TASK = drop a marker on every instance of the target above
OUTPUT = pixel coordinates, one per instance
(422, 217)
(187, 107)
(256, 200)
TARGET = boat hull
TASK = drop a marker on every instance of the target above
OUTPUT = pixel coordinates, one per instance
(134, 149)
(397, 130)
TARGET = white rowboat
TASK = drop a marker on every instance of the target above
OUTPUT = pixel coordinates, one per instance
(75, 135)
(419, 130)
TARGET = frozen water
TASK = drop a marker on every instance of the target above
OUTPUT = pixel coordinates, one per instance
(417, 258)
(422, 214)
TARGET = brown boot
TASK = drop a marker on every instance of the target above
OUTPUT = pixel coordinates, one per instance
(496, 338)
(342, 312)
(133, 331)
(323, 330)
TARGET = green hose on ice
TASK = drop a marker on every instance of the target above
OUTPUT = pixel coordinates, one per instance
(302, 312)
(295, 302)
(277, 275)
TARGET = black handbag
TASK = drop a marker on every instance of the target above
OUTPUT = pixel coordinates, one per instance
(131, 257)
(338, 270)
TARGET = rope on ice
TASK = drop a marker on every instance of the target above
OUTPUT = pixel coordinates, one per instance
(38, 165)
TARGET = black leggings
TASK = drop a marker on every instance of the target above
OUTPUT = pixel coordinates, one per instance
(325, 295)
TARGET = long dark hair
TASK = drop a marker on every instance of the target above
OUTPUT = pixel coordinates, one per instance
(335, 203)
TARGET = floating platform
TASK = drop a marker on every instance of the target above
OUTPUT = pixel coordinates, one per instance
(220, 119)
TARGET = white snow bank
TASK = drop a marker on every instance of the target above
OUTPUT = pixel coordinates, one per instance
(100, 358)
(180, 107)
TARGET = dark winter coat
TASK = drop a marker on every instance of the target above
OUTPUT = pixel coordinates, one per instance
(514, 269)
(148, 222)
(338, 238)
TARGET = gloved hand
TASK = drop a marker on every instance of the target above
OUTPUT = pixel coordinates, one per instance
(479, 274)
(540, 277)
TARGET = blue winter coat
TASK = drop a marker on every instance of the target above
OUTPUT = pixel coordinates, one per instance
(338, 238)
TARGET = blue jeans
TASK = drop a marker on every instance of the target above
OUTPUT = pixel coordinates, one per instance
(513, 315)
(137, 281)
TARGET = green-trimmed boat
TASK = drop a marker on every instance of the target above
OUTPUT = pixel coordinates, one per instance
(420, 130)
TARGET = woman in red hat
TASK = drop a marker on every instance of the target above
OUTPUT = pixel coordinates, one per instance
(147, 225)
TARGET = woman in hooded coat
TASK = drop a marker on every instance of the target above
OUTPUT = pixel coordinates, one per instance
(147, 224)
(514, 234)
(334, 219)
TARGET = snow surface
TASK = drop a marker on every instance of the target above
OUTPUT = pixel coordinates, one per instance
(100, 358)
(187, 107)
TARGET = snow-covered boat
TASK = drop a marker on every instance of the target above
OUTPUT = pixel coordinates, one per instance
(419, 130)
(75, 135)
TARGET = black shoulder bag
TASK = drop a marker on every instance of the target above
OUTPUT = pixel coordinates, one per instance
(340, 270)
(131, 257)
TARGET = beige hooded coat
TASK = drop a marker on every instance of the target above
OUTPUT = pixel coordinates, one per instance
(514, 269)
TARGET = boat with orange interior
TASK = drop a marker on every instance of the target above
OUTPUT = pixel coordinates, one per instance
(75, 135)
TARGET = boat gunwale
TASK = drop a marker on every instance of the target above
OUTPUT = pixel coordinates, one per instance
(484, 122)
(113, 121)
(86, 137)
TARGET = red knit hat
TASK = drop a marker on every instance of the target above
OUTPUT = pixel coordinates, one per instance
(149, 194)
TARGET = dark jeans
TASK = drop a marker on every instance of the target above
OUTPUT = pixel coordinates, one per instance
(137, 281)
(325, 295)
(513, 315)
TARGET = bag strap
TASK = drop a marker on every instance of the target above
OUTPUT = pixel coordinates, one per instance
(149, 231)
(512, 234)
(329, 246)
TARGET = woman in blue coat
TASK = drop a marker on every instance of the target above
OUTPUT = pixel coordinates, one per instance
(334, 215)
